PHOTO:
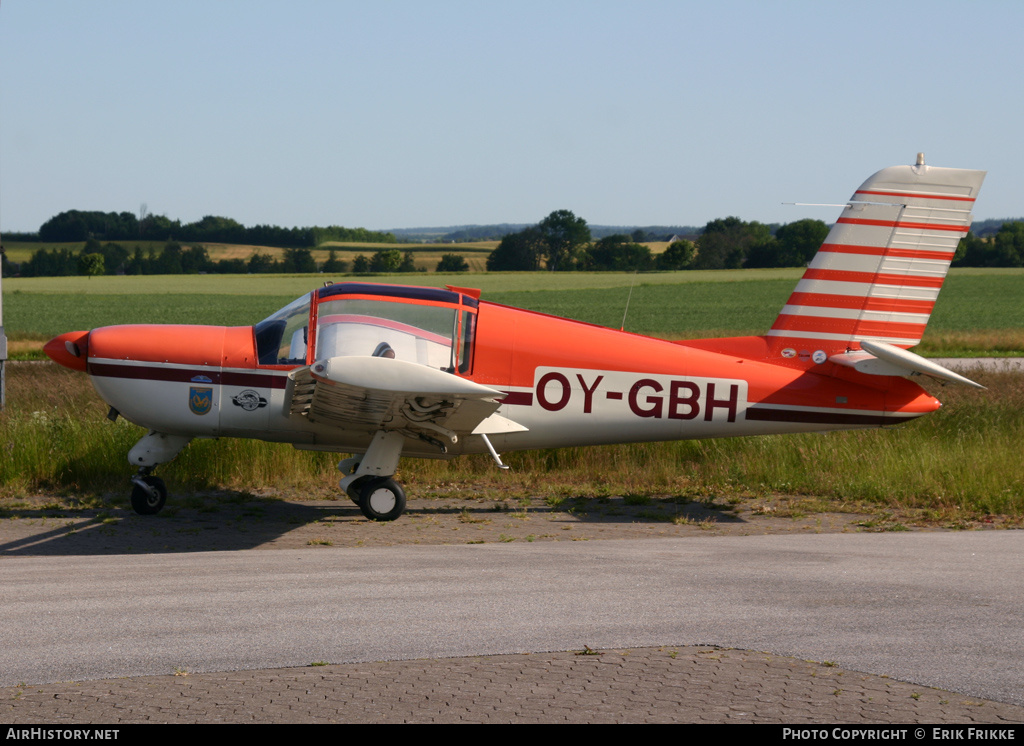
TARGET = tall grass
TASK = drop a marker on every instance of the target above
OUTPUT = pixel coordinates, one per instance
(964, 457)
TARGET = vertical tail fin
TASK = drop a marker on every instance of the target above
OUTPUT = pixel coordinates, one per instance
(881, 267)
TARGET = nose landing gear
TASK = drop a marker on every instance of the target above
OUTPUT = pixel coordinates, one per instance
(149, 494)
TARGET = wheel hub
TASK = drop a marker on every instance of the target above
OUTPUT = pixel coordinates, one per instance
(382, 500)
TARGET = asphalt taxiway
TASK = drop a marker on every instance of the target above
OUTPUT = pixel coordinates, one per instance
(938, 609)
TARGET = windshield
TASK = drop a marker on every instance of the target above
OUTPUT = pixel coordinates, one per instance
(282, 339)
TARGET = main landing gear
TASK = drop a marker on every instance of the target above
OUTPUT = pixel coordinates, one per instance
(368, 479)
(379, 498)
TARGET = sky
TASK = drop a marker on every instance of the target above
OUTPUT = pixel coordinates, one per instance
(395, 114)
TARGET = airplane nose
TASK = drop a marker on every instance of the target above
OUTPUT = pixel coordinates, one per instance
(70, 350)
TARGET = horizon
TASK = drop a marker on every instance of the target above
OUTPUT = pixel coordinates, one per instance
(442, 230)
(400, 115)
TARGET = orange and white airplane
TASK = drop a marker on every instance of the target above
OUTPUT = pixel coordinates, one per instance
(384, 371)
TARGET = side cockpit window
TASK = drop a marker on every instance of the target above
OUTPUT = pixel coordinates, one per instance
(466, 336)
(283, 339)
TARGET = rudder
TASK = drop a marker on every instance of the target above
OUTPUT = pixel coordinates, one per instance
(879, 272)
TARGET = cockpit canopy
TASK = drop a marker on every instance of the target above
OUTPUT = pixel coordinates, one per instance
(428, 326)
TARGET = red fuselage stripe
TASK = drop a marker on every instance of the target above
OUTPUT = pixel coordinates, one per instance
(765, 414)
(521, 398)
(160, 373)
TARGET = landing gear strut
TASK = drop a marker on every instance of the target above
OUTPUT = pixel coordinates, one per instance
(368, 479)
(348, 467)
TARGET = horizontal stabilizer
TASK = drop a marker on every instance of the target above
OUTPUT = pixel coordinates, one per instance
(881, 359)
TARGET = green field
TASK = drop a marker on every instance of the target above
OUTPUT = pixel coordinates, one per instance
(978, 313)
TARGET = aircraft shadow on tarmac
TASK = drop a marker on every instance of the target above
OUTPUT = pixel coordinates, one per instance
(229, 522)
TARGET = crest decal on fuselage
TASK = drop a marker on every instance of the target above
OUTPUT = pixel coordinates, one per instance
(200, 398)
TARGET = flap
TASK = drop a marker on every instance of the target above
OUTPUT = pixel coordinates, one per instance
(377, 393)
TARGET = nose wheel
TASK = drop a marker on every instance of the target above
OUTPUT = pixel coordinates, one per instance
(149, 494)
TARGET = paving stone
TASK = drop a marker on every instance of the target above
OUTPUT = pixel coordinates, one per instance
(647, 685)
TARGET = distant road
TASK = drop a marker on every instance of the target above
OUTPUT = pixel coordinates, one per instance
(1014, 364)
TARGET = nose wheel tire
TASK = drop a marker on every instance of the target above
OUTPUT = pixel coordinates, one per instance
(382, 499)
(150, 498)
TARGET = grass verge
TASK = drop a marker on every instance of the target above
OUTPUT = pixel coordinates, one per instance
(961, 460)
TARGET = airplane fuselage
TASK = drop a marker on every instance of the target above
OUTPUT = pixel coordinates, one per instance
(385, 371)
(568, 383)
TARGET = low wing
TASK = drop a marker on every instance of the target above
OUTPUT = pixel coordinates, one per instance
(379, 393)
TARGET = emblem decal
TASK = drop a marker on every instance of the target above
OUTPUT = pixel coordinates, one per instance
(200, 398)
(819, 356)
(789, 352)
(249, 400)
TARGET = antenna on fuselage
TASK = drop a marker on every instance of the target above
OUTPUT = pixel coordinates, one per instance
(628, 297)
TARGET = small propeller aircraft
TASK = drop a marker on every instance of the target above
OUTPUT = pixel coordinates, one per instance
(384, 371)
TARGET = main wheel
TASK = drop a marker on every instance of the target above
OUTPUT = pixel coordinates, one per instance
(382, 499)
(149, 501)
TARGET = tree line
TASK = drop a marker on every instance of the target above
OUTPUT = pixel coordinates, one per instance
(1004, 249)
(173, 258)
(79, 225)
(562, 241)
